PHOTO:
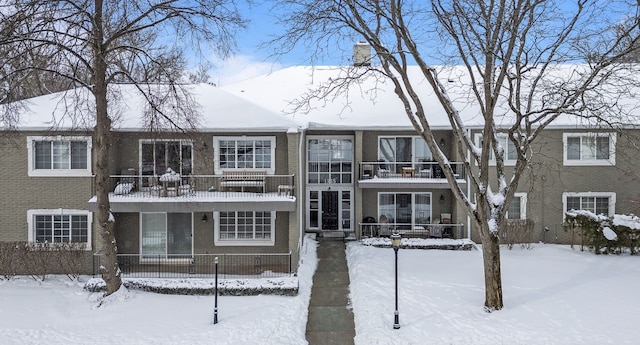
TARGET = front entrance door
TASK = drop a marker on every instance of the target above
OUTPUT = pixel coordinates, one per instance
(329, 210)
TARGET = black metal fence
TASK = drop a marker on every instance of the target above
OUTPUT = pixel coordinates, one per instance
(201, 265)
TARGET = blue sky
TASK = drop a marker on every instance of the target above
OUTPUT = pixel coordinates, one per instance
(250, 60)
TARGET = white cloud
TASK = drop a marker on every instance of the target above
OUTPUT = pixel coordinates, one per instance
(240, 67)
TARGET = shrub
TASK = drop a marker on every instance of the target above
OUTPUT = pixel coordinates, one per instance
(40, 259)
(10, 259)
(515, 231)
(604, 235)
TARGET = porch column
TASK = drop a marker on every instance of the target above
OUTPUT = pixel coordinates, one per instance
(296, 167)
(357, 198)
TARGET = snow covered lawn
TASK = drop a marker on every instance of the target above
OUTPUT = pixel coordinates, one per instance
(553, 295)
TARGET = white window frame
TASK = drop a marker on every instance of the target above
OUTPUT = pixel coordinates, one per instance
(523, 205)
(330, 180)
(31, 226)
(503, 140)
(216, 153)
(610, 195)
(33, 172)
(182, 142)
(248, 242)
(589, 162)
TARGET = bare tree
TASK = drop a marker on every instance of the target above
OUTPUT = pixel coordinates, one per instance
(512, 54)
(633, 47)
(97, 43)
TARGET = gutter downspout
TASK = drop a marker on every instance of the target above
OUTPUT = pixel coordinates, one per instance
(300, 190)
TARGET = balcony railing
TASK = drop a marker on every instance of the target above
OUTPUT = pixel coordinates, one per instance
(199, 186)
(200, 265)
(453, 231)
(407, 170)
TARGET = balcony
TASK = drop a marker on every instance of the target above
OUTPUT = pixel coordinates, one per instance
(134, 193)
(407, 175)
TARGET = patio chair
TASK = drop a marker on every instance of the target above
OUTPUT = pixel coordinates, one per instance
(447, 231)
(386, 226)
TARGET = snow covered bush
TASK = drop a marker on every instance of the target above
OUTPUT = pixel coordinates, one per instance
(604, 235)
(627, 227)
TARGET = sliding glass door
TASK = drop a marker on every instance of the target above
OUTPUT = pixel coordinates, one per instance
(405, 210)
(166, 235)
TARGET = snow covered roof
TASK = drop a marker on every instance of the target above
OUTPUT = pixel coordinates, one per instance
(371, 103)
(268, 102)
(219, 111)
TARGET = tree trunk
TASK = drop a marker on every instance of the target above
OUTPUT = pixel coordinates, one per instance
(102, 143)
(492, 275)
(109, 268)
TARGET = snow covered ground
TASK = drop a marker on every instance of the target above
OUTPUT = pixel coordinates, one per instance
(553, 295)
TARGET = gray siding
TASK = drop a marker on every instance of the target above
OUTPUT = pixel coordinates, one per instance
(21, 192)
(548, 178)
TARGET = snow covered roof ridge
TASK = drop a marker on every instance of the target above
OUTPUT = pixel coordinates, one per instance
(370, 103)
(277, 102)
(215, 109)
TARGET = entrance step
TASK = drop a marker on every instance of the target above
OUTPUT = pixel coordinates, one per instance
(333, 234)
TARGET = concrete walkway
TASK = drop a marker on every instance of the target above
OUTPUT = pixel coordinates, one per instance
(330, 317)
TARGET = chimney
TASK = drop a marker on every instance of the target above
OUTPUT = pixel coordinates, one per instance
(361, 54)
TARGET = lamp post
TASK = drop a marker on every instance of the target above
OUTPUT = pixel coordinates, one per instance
(215, 292)
(395, 244)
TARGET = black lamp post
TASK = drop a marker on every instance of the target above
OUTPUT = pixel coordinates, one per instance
(395, 244)
(215, 292)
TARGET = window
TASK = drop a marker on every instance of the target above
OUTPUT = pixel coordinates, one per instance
(59, 156)
(244, 153)
(510, 153)
(165, 235)
(403, 151)
(253, 228)
(314, 209)
(596, 202)
(157, 156)
(518, 207)
(404, 208)
(346, 209)
(59, 226)
(589, 148)
(329, 160)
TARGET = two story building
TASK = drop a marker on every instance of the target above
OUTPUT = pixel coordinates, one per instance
(262, 169)
(177, 197)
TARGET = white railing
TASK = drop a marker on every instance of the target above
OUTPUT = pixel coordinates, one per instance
(195, 186)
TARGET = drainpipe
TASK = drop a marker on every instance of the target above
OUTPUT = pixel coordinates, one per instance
(301, 156)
